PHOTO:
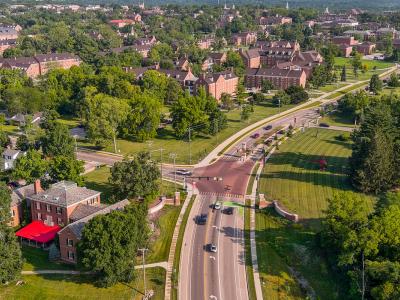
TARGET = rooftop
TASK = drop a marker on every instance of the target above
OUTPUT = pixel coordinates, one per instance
(39, 232)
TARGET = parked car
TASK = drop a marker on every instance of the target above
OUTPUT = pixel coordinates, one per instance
(228, 211)
(268, 127)
(281, 131)
(255, 136)
(201, 219)
(183, 172)
(324, 125)
(217, 205)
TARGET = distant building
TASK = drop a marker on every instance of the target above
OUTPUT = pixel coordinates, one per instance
(205, 43)
(244, 39)
(280, 78)
(8, 33)
(17, 197)
(217, 84)
(40, 64)
(9, 157)
(7, 44)
(125, 22)
(396, 44)
(251, 57)
(185, 78)
(274, 20)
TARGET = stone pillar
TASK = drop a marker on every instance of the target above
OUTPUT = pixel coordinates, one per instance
(262, 203)
(177, 199)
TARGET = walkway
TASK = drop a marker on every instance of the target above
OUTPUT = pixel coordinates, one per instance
(162, 264)
(172, 249)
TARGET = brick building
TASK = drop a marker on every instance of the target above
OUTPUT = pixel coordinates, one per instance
(62, 202)
(17, 197)
(251, 57)
(40, 64)
(205, 43)
(217, 84)
(71, 234)
(244, 39)
(396, 44)
(185, 78)
(274, 20)
(6, 44)
(8, 33)
(280, 78)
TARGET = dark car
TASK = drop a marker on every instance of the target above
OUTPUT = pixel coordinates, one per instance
(255, 136)
(228, 211)
(211, 248)
(201, 219)
(323, 125)
(281, 131)
(268, 127)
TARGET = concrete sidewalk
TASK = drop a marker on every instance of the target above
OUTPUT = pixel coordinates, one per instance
(162, 264)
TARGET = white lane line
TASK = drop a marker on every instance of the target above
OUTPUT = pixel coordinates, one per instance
(190, 264)
(213, 297)
(237, 256)
(243, 273)
(219, 260)
(212, 257)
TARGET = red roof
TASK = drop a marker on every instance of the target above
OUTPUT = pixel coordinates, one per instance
(39, 232)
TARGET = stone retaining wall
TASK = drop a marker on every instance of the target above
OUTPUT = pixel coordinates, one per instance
(284, 213)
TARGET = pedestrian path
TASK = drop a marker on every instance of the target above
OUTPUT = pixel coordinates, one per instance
(172, 249)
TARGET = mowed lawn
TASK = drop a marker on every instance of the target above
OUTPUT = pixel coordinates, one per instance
(371, 64)
(81, 287)
(293, 177)
(201, 144)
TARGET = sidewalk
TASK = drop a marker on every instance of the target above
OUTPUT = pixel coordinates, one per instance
(162, 264)
(172, 249)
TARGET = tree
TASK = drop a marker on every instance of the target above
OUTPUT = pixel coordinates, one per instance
(103, 117)
(10, 251)
(227, 101)
(356, 63)
(281, 98)
(174, 91)
(144, 117)
(375, 84)
(297, 94)
(66, 168)
(156, 83)
(235, 61)
(266, 86)
(109, 243)
(30, 167)
(394, 80)
(136, 177)
(58, 141)
(343, 75)
(4, 139)
(246, 112)
(23, 143)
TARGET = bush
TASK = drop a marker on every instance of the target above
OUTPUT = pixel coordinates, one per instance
(343, 137)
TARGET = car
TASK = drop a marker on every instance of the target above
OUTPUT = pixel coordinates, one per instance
(228, 211)
(255, 136)
(323, 125)
(212, 248)
(281, 131)
(201, 219)
(217, 205)
(268, 127)
(183, 172)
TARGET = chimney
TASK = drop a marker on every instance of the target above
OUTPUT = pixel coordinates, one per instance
(37, 187)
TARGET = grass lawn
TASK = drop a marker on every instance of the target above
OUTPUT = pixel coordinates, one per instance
(292, 176)
(10, 129)
(70, 121)
(98, 181)
(390, 90)
(165, 225)
(37, 259)
(56, 287)
(331, 87)
(340, 61)
(201, 145)
(337, 119)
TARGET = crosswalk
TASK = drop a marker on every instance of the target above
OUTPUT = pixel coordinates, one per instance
(222, 195)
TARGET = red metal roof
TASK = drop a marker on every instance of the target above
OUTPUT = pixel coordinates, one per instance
(39, 232)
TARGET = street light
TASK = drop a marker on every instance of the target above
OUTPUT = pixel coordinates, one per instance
(173, 156)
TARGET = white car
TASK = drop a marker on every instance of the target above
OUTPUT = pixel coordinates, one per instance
(217, 205)
(213, 248)
(183, 172)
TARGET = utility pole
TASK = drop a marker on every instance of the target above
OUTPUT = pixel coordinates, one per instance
(143, 250)
(173, 156)
(149, 144)
(190, 149)
(161, 167)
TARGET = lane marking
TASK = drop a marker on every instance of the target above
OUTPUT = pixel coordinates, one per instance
(212, 257)
(213, 297)
(219, 273)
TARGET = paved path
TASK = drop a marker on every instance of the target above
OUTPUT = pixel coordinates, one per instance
(162, 264)
(253, 247)
(172, 249)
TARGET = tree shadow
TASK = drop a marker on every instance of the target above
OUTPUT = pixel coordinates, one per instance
(343, 144)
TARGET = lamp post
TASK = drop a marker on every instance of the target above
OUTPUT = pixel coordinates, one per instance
(173, 156)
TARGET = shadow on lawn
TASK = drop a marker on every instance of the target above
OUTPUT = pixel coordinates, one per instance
(299, 160)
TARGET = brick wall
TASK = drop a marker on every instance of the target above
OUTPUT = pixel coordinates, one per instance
(68, 243)
(16, 215)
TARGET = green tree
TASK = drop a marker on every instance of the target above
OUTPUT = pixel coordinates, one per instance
(58, 141)
(227, 101)
(281, 98)
(23, 143)
(4, 139)
(103, 117)
(245, 112)
(235, 61)
(156, 83)
(30, 167)
(394, 80)
(136, 177)
(174, 91)
(375, 84)
(266, 86)
(297, 94)
(66, 168)
(356, 63)
(109, 243)
(343, 75)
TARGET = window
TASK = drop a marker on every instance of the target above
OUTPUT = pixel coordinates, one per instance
(39, 216)
(70, 242)
(59, 221)
(13, 213)
(37, 205)
(59, 210)
(71, 255)
(48, 207)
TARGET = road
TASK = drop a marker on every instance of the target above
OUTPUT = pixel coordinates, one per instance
(222, 275)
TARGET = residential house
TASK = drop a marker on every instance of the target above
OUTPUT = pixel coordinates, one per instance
(142, 49)
(7, 44)
(17, 197)
(139, 72)
(274, 21)
(9, 157)
(280, 78)
(148, 40)
(244, 39)
(218, 58)
(62, 202)
(40, 64)
(217, 84)
(21, 119)
(185, 78)
(182, 64)
(8, 33)
(71, 234)
(205, 43)
(122, 22)
(396, 44)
